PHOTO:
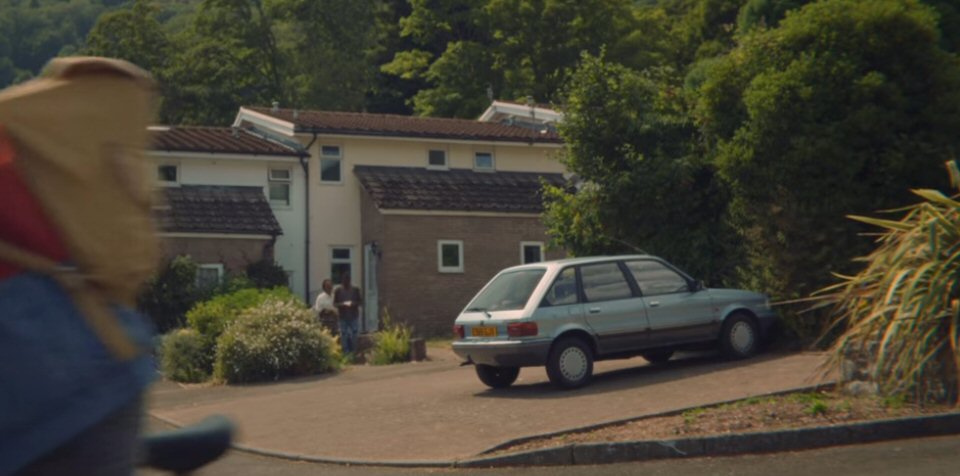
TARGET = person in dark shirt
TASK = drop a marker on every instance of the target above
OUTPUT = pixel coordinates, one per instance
(347, 299)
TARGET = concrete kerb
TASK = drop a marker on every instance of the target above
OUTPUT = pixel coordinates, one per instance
(619, 452)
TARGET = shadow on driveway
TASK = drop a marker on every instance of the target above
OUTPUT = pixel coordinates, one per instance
(685, 365)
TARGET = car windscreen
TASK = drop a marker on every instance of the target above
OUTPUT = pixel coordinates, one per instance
(508, 291)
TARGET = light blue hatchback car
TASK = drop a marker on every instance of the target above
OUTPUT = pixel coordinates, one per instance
(569, 313)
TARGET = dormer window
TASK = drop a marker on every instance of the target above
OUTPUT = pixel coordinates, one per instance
(483, 162)
(436, 159)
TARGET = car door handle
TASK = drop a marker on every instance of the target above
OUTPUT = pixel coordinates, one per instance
(654, 303)
(594, 310)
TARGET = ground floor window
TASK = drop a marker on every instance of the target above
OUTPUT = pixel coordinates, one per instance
(209, 275)
(531, 252)
(450, 256)
(341, 259)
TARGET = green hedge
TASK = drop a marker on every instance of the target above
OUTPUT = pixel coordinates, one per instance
(210, 318)
(184, 357)
(275, 339)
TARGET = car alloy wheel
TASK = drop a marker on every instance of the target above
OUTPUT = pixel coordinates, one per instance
(739, 336)
(570, 364)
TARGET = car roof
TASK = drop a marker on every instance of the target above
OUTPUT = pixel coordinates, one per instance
(580, 260)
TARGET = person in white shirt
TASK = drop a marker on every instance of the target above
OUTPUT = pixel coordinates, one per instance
(326, 311)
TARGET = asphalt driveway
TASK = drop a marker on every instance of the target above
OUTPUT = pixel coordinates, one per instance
(439, 411)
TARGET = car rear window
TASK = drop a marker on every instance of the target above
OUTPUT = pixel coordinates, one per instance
(508, 291)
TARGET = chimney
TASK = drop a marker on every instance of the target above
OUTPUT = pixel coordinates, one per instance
(276, 106)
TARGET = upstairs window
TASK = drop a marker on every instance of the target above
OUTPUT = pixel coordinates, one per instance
(483, 161)
(279, 187)
(437, 159)
(330, 167)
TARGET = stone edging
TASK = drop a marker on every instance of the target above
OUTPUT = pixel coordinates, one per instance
(726, 445)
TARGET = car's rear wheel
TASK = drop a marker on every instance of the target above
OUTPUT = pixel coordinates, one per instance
(739, 337)
(497, 377)
(570, 364)
(658, 356)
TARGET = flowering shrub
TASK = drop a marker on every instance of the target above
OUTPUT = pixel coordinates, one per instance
(211, 317)
(184, 357)
(391, 344)
(275, 339)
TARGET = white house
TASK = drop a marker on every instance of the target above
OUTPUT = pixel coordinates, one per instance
(231, 197)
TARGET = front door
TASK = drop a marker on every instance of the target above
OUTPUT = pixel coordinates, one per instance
(371, 306)
(676, 314)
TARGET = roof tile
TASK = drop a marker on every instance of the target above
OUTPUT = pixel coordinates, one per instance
(414, 188)
(215, 139)
(393, 125)
(216, 209)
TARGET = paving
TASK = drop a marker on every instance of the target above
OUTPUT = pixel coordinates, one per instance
(438, 411)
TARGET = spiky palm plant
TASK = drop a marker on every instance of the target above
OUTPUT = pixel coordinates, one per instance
(903, 308)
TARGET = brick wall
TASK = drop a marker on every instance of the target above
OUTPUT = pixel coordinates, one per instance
(410, 285)
(234, 254)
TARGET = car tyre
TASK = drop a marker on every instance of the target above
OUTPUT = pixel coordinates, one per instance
(658, 356)
(739, 337)
(497, 377)
(570, 363)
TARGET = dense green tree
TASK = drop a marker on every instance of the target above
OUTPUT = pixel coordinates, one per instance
(644, 184)
(391, 93)
(468, 50)
(227, 58)
(132, 34)
(841, 109)
(329, 45)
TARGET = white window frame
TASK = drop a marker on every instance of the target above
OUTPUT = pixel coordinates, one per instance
(216, 266)
(493, 161)
(348, 261)
(338, 158)
(446, 159)
(524, 244)
(167, 183)
(288, 181)
(449, 269)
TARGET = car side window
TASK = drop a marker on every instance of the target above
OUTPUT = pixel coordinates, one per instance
(604, 282)
(655, 278)
(564, 289)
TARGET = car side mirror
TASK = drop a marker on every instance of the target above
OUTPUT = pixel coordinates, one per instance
(697, 286)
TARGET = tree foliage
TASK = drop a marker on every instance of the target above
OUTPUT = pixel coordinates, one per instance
(841, 109)
(644, 183)
(467, 50)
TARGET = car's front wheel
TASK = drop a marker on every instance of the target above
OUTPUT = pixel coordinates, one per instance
(570, 364)
(739, 337)
(497, 377)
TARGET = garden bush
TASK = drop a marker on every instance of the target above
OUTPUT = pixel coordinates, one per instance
(170, 294)
(275, 339)
(902, 309)
(211, 317)
(184, 357)
(391, 344)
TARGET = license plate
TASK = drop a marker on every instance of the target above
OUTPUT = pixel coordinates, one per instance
(484, 331)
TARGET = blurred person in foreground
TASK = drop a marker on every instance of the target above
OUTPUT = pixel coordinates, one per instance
(76, 244)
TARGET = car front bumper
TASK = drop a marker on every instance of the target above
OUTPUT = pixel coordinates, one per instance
(506, 353)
